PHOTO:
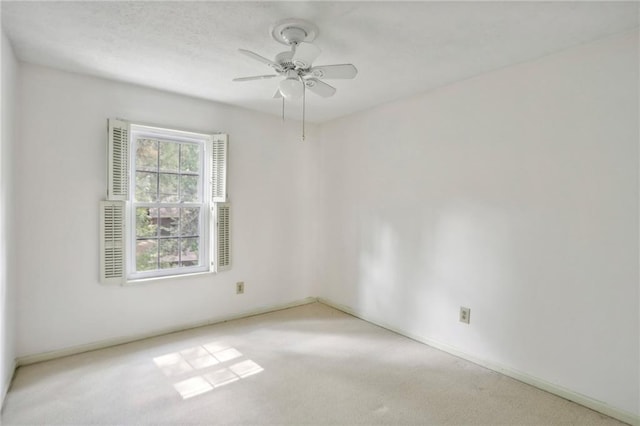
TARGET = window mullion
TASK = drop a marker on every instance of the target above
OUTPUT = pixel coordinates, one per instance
(179, 172)
(169, 205)
(180, 211)
(158, 206)
(180, 236)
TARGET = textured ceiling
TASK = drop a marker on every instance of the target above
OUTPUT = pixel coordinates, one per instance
(399, 48)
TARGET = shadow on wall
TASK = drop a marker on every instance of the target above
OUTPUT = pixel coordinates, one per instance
(418, 266)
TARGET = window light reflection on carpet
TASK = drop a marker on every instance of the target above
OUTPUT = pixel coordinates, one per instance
(203, 359)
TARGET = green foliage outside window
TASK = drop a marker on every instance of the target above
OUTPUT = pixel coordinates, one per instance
(167, 236)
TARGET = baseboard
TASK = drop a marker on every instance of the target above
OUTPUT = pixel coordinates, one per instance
(560, 391)
(73, 350)
(5, 391)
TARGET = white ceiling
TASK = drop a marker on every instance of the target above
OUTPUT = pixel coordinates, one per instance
(399, 48)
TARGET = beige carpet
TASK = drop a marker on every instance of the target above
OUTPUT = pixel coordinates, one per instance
(305, 365)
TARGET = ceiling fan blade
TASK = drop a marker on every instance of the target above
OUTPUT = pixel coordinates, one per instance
(261, 59)
(319, 87)
(277, 94)
(257, 77)
(334, 71)
(304, 54)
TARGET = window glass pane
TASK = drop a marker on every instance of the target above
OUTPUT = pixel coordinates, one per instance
(190, 251)
(169, 156)
(190, 222)
(190, 158)
(146, 186)
(169, 219)
(168, 188)
(146, 222)
(147, 155)
(189, 189)
(146, 255)
(169, 253)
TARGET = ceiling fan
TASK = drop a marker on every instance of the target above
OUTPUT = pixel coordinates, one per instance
(296, 64)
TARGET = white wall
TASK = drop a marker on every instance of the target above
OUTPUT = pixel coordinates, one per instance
(61, 161)
(9, 70)
(515, 194)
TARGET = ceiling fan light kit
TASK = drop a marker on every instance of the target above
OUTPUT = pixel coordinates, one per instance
(296, 65)
(291, 87)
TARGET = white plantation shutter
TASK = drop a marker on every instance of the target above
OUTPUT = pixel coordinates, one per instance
(118, 160)
(223, 236)
(112, 242)
(222, 209)
(117, 214)
(219, 147)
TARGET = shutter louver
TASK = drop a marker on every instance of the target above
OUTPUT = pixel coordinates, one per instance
(223, 236)
(118, 160)
(219, 168)
(112, 242)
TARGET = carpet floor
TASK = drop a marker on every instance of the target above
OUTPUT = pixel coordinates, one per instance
(306, 365)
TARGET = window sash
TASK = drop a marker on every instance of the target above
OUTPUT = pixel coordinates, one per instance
(180, 236)
(144, 133)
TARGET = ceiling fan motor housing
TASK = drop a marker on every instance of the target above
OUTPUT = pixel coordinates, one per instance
(284, 59)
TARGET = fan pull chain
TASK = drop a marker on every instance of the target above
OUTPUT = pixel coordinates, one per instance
(283, 108)
(304, 102)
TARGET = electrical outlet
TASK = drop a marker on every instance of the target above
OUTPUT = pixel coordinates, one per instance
(240, 287)
(465, 315)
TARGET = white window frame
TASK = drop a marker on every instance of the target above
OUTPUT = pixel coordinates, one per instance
(214, 250)
(138, 132)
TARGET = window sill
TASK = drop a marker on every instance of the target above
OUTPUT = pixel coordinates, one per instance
(149, 280)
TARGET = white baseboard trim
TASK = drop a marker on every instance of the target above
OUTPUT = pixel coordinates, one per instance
(73, 350)
(601, 407)
(5, 391)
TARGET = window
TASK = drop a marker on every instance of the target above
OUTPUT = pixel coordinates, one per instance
(166, 212)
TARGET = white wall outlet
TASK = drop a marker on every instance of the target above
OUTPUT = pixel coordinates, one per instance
(240, 287)
(465, 314)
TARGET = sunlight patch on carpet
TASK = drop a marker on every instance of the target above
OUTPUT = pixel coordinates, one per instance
(205, 361)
